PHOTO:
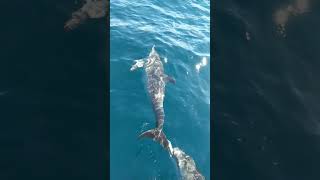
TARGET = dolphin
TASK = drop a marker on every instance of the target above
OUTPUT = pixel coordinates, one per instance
(156, 82)
(186, 165)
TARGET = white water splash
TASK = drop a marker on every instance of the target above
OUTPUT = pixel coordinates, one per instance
(203, 63)
(165, 60)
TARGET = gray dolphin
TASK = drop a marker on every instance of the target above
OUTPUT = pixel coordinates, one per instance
(186, 164)
(156, 81)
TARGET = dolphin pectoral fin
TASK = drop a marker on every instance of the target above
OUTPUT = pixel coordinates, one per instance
(170, 79)
(133, 67)
(138, 64)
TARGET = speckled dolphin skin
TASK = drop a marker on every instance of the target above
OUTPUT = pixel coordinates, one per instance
(156, 81)
(92, 9)
(186, 164)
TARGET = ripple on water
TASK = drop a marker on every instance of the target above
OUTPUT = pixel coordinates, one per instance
(180, 30)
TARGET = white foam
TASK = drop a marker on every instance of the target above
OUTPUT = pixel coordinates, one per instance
(198, 66)
(204, 62)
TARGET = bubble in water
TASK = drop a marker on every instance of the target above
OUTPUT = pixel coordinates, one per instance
(198, 66)
(144, 125)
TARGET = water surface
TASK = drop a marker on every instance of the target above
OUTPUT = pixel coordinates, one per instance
(180, 31)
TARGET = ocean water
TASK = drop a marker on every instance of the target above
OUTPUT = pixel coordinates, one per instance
(180, 31)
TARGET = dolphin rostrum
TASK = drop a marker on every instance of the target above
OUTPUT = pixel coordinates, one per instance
(156, 81)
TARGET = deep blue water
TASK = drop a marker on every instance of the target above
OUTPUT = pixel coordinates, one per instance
(180, 31)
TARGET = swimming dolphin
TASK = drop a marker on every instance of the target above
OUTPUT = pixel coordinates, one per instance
(186, 164)
(156, 81)
(91, 9)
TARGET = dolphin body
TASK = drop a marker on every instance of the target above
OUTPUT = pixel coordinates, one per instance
(156, 81)
(186, 164)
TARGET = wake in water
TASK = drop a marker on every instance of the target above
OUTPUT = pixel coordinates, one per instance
(156, 81)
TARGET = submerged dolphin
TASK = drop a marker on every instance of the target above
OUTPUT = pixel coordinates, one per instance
(156, 81)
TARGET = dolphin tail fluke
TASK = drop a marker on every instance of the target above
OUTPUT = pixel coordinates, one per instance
(150, 134)
(158, 136)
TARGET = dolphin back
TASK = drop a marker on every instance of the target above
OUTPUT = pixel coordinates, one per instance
(187, 166)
